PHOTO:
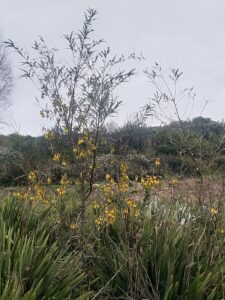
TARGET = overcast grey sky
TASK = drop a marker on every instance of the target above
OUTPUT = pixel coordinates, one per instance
(188, 34)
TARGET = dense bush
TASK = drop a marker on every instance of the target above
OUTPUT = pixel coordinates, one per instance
(20, 154)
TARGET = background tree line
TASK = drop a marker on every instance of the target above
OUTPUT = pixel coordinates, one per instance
(139, 144)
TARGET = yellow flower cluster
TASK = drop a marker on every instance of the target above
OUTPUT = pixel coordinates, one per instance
(64, 163)
(174, 181)
(61, 191)
(56, 157)
(124, 179)
(110, 209)
(131, 203)
(49, 135)
(157, 162)
(21, 195)
(96, 205)
(149, 181)
(106, 212)
(109, 217)
(100, 221)
(32, 176)
(132, 207)
(213, 211)
(73, 226)
(85, 147)
(49, 180)
(38, 194)
(33, 193)
(108, 188)
(64, 180)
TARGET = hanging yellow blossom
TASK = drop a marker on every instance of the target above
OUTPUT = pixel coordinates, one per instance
(213, 211)
(56, 157)
(64, 163)
(73, 226)
(65, 130)
(107, 177)
(64, 180)
(110, 215)
(61, 191)
(49, 180)
(96, 205)
(174, 181)
(149, 181)
(157, 162)
(49, 135)
(32, 176)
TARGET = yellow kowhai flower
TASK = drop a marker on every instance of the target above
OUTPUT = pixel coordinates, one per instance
(39, 193)
(123, 168)
(111, 220)
(125, 211)
(80, 142)
(18, 195)
(64, 180)
(49, 180)
(100, 220)
(123, 184)
(157, 162)
(213, 211)
(108, 192)
(61, 191)
(110, 215)
(85, 147)
(56, 157)
(73, 226)
(174, 181)
(49, 135)
(131, 203)
(64, 163)
(65, 130)
(32, 176)
(107, 177)
(149, 181)
(77, 182)
(96, 205)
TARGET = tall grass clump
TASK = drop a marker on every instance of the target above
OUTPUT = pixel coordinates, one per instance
(170, 255)
(31, 265)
